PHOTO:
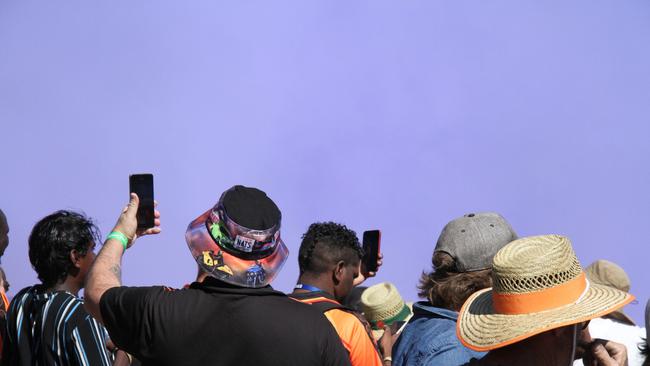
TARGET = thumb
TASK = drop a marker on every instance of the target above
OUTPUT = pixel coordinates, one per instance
(132, 208)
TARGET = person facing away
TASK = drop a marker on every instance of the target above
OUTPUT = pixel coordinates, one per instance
(462, 261)
(4, 301)
(615, 326)
(4, 243)
(47, 323)
(329, 261)
(540, 301)
(232, 317)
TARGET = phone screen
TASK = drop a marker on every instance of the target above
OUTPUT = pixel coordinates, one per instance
(371, 240)
(142, 185)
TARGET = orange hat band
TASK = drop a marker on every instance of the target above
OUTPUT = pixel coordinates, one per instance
(553, 297)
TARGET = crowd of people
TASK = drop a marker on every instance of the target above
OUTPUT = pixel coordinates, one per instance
(491, 298)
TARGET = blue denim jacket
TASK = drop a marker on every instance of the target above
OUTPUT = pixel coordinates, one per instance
(430, 339)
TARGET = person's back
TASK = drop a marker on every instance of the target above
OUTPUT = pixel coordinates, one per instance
(232, 317)
(52, 328)
(349, 325)
(462, 260)
(217, 323)
(329, 261)
(47, 324)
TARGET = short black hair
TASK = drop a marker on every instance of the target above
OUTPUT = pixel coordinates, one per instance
(53, 238)
(325, 244)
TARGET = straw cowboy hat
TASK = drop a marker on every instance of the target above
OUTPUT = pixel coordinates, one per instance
(382, 306)
(539, 285)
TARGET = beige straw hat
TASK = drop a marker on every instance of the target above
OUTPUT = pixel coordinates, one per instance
(604, 272)
(382, 306)
(539, 285)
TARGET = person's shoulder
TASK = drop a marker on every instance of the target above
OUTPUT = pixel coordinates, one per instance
(344, 320)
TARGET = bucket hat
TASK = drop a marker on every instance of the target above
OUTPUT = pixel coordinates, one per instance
(472, 240)
(604, 272)
(238, 240)
(382, 306)
(539, 285)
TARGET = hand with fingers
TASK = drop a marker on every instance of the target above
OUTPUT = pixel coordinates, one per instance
(127, 223)
(364, 274)
(386, 345)
(605, 353)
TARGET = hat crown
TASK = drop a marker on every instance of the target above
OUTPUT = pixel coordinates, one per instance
(607, 273)
(381, 301)
(534, 263)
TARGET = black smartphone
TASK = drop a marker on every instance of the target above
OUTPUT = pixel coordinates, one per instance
(142, 185)
(397, 327)
(371, 240)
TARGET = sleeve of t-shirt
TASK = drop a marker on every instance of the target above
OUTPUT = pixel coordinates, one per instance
(128, 314)
(88, 343)
(362, 349)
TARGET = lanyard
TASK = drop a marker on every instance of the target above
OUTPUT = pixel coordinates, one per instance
(302, 286)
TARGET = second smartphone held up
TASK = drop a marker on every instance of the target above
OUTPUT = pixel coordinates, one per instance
(371, 241)
(142, 185)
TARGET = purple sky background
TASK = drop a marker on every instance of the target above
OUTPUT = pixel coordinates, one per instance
(377, 114)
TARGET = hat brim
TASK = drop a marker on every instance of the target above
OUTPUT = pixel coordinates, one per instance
(378, 333)
(227, 266)
(480, 328)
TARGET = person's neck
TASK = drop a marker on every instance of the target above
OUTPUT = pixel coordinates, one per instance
(69, 285)
(315, 281)
(200, 276)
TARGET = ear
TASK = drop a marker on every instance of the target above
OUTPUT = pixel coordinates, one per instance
(338, 272)
(75, 258)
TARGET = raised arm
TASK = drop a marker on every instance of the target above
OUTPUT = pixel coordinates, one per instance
(106, 271)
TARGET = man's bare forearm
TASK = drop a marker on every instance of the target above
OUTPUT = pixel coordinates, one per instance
(105, 273)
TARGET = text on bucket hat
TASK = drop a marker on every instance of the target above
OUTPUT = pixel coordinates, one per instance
(474, 239)
(248, 256)
(539, 285)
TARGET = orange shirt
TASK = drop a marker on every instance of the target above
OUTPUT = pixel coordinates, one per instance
(354, 337)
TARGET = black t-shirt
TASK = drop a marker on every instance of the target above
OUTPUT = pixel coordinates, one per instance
(214, 323)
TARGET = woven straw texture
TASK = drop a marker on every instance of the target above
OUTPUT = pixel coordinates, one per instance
(534, 263)
(381, 301)
(531, 264)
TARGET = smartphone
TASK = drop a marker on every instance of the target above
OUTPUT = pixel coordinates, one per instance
(142, 185)
(397, 327)
(371, 240)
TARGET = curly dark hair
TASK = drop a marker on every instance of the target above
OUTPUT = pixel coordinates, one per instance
(53, 238)
(448, 288)
(325, 244)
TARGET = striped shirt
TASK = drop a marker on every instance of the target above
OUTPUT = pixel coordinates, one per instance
(52, 328)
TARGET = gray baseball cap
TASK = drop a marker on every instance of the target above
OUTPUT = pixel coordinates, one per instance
(474, 239)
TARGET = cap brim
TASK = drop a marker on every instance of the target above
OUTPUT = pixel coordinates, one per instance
(480, 328)
(230, 268)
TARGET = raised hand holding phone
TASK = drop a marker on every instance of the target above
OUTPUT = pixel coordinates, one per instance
(372, 258)
(142, 186)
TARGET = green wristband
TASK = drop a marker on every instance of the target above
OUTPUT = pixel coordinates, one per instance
(119, 237)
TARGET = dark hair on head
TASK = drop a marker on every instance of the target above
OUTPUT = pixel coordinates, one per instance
(447, 288)
(325, 244)
(53, 238)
